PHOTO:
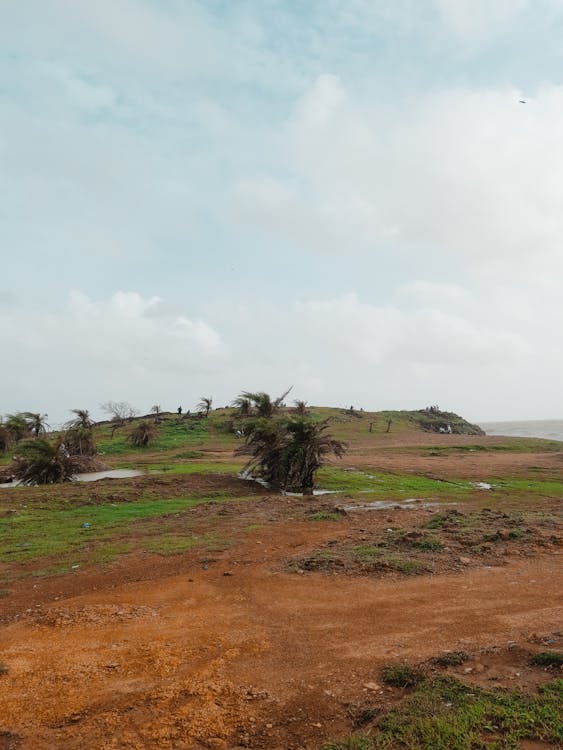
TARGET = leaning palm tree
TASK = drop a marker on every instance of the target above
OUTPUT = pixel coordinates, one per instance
(306, 451)
(300, 408)
(265, 442)
(243, 404)
(286, 453)
(262, 402)
(204, 405)
(36, 422)
(142, 434)
(4, 438)
(42, 462)
(17, 426)
(79, 434)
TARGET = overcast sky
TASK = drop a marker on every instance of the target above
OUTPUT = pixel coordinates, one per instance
(346, 196)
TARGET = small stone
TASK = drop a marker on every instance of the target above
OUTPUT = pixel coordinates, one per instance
(465, 560)
(372, 686)
(468, 670)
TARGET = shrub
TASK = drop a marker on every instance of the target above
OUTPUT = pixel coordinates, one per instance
(286, 453)
(401, 675)
(451, 659)
(142, 434)
(41, 462)
(548, 659)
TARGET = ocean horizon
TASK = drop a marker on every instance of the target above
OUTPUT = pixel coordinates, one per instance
(550, 429)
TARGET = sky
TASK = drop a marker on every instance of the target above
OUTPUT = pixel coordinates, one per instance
(343, 196)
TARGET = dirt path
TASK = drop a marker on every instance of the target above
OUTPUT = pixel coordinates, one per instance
(237, 653)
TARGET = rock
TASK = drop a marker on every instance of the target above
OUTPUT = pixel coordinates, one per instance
(465, 560)
(372, 686)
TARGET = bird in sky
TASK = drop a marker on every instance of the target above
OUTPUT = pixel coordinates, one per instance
(522, 101)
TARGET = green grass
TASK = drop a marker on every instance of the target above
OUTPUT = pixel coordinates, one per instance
(388, 485)
(545, 487)
(171, 434)
(401, 675)
(451, 659)
(408, 485)
(446, 714)
(174, 544)
(548, 659)
(42, 532)
(323, 515)
(375, 557)
(212, 467)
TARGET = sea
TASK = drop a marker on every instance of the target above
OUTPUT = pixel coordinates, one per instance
(551, 429)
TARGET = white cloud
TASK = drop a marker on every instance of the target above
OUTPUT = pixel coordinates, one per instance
(91, 351)
(471, 18)
(466, 173)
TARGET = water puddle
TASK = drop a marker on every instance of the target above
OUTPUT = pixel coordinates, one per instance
(250, 478)
(93, 476)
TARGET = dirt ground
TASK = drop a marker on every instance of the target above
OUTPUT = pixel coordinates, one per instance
(235, 649)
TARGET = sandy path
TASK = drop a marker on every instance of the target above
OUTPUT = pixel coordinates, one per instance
(258, 658)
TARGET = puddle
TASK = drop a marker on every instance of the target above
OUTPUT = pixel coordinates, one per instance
(93, 476)
(315, 492)
(249, 478)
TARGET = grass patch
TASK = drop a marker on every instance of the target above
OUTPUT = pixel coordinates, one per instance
(215, 467)
(42, 532)
(446, 714)
(388, 485)
(323, 515)
(547, 659)
(171, 434)
(401, 675)
(451, 659)
(175, 544)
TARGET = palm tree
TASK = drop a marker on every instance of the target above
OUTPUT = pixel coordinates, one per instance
(36, 423)
(17, 426)
(286, 453)
(300, 408)
(142, 434)
(42, 462)
(243, 404)
(204, 405)
(307, 448)
(79, 434)
(265, 442)
(263, 404)
(4, 438)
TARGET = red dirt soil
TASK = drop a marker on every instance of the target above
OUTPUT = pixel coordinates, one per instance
(236, 653)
